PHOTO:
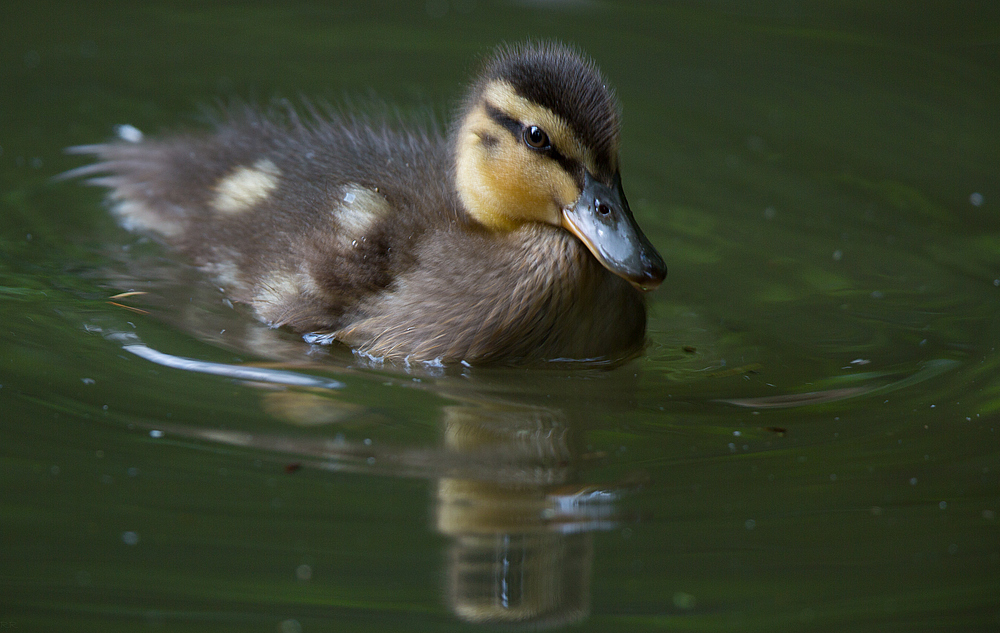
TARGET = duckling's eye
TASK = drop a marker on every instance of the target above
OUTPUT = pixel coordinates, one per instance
(536, 137)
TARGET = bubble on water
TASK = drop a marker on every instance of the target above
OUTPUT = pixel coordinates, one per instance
(976, 199)
(130, 538)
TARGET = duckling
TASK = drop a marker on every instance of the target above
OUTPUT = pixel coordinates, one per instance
(508, 240)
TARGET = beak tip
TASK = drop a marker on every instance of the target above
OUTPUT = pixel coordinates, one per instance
(650, 279)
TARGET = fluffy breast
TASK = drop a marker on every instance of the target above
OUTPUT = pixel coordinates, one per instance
(533, 294)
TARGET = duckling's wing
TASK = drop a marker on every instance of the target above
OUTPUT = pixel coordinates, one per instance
(300, 221)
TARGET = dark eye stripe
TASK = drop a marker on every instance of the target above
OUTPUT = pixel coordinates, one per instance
(572, 167)
(502, 119)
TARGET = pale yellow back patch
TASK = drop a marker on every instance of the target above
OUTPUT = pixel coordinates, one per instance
(137, 216)
(357, 210)
(279, 292)
(246, 187)
(224, 270)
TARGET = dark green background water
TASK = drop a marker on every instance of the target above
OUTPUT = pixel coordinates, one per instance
(822, 179)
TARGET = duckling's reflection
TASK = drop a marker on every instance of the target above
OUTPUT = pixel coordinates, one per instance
(521, 537)
(521, 533)
(521, 551)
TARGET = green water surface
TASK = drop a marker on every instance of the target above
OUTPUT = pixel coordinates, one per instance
(808, 443)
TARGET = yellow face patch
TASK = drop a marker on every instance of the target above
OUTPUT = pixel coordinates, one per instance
(502, 182)
(246, 187)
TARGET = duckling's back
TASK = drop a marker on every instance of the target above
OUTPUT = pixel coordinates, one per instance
(302, 219)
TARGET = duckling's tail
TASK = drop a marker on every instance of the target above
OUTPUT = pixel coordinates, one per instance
(125, 132)
(141, 177)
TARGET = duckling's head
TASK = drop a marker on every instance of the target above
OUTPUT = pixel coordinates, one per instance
(538, 142)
